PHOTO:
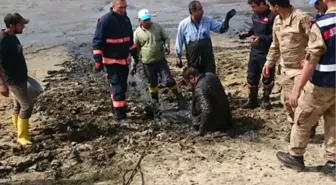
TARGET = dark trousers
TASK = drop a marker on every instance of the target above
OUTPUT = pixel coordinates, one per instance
(200, 55)
(117, 77)
(23, 106)
(254, 72)
(158, 69)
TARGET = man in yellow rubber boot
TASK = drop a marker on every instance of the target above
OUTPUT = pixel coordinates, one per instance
(152, 43)
(14, 74)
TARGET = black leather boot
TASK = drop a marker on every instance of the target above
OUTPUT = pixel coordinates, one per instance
(265, 101)
(329, 169)
(290, 161)
(252, 101)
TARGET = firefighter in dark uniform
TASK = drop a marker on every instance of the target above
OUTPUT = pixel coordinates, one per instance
(112, 44)
(261, 31)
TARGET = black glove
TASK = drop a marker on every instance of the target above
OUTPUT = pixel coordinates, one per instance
(225, 24)
(243, 35)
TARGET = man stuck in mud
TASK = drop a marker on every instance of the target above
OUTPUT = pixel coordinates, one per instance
(318, 97)
(210, 105)
(194, 33)
(261, 30)
(290, 38)
(112, 43)
(14, 75)
(152, 43)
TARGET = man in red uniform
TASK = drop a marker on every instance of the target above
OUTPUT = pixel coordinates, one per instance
(112, 44)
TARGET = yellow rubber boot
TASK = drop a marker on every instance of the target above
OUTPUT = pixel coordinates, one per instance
(23, 131)
(15, 121)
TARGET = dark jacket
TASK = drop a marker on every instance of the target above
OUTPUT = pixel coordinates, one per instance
(113, 39)
(262, 27)
(12, 60)
(210, 103)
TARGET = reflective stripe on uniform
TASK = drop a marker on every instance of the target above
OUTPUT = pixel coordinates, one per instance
(114, 61)
(118, 40)
(132, 47)
(326, 68)
(97, 52)
(326, 22)
(118, 104)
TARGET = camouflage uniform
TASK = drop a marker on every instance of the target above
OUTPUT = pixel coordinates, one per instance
(290, 39)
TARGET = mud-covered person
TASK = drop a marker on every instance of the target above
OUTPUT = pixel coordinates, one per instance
(194, 32)
(14, 74)
(210, 106)
(318, 97)
(289, 41)
(152, 43)
(112, 43)
(261, 30)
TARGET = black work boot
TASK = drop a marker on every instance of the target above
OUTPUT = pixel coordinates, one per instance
(313, 131)
(179, 98)
(252, 101)
(290, 161)
(329, 169)
(265, 102)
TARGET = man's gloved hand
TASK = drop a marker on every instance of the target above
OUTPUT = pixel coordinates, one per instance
(98, 66)
(179, 62)
(167, 49)
(225, 23)
(243, 35)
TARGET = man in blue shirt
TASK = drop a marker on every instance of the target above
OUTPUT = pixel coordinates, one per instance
(194, 32)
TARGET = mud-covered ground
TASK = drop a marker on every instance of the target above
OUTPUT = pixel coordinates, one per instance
(77, 141)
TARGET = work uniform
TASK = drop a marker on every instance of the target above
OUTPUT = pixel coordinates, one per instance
(197, 41)
(210, 105)
(261, 28)
(112, 44)
(318, 97)
(15, 76)
(149, 44)
(290, 39)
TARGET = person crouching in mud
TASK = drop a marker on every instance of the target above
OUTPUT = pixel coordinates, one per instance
(210, 105)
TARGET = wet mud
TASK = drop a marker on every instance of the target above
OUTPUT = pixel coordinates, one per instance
(78, 141)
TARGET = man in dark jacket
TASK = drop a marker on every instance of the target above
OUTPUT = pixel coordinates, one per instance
(261, 30)
(112, 43)
(210, 105)
(14, 75)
